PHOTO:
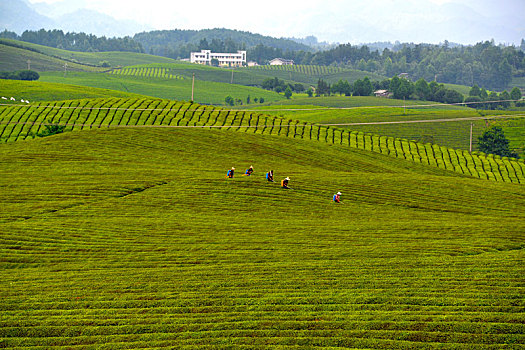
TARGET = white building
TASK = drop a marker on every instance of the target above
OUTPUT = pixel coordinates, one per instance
(281, 62)
(225, 59)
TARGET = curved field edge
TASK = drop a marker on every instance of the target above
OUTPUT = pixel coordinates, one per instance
(133, 238)
(23, 122)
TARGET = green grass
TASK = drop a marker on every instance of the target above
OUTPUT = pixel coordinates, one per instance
(92, 58)
(13, 58)
(41, 91)
(371, 109)
(130, 238)
(23, 122)
(310, 74)
(149, 71)
(179, 89)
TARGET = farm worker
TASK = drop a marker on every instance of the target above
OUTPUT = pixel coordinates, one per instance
(284, 183)
(269, 176)
(249, 171)
(230, 173)
(337, 197)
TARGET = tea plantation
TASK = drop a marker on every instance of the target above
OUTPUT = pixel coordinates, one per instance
(26, 121)
(124, 233)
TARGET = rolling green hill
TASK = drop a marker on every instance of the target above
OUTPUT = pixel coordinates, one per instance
(311, 74)
(14, 58)
(14, 55)
(449, 126)
(206, 92)
(132, 238)
(40, 91)
(23, 122)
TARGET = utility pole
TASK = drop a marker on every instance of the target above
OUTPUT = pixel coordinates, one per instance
(65, 69)
(231, 81)
(192, 86)
(404, 106)
(470, 148)
(28, 64)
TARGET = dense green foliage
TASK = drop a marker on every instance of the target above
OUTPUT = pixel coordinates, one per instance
(21, 122)
(75, 41)
(494, 141)
(179, 43)
(485, 63)
(132, 238)
(20, 75)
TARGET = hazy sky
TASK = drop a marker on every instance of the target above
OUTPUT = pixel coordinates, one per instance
(355, 21)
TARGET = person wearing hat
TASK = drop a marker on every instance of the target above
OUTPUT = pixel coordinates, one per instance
(337, 197)
(249, 171)
(230, 173)
(284, 183)
(269, 176)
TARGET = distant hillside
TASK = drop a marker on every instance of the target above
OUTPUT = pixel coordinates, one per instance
(15, 54)
(179, 43)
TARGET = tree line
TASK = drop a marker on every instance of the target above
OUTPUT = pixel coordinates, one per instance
(20, 75)
(401, 88)
(75, 41)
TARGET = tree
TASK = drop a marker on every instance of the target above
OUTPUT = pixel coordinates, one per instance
(229, 100)
(288, 93)
(504, 96)
(261, 100)
(475, 91)
(422, 89)
(28, 75)
(452, 96)
(322, 88)
(494, 141)
(310, 92)
(515, 94)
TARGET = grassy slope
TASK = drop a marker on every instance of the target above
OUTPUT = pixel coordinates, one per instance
(205, 91)
(214, 74)
(22, 122)
(41, 91)
(302, 74)
(92, 58)
(133, 238)
(13, 58)
(450, 134)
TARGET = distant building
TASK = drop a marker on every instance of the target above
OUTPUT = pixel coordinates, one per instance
(224, 59)
(252, 64)
(382, 93)
(281, 62)
(403, 75)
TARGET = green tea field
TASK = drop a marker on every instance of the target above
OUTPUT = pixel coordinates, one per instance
(132, 237)
(447, 125)
(206, 92)
(20, 122)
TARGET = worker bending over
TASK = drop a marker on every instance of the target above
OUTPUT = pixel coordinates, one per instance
(337, 197)
(284, 183)
(230, 173)
(269, 176)
(249, 171)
